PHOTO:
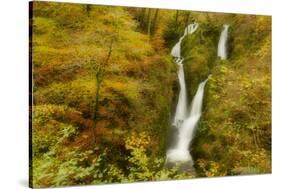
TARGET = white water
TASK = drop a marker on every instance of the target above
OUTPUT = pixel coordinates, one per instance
(184, 120)
(181, 109)
(192, 27)
(180, 153)
(222, 52)
(176, 50)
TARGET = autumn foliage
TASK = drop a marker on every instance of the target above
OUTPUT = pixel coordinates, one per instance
(105, 86)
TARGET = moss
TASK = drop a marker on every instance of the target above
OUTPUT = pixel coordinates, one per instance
(199, 51)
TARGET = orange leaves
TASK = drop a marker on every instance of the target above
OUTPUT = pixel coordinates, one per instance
(138, 140)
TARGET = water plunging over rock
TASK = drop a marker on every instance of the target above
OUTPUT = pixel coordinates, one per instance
(186, 118)
(192, 27)
(181, 109)
(222, 48)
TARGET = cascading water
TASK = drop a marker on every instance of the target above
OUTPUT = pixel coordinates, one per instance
(222, 48)
(176, 50)
(181, 109)
(185, 121)
(192, 27)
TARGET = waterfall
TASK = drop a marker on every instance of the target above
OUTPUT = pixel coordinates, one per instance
(196, 105)
(185, 121)
(180, 153)
(222, 48)
(181, 108)
(192, 27)
(176, 50)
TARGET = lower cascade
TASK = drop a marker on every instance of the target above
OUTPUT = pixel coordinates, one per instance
(186, 118)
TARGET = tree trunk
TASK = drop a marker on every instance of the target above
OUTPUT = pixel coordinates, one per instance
(99, 78)
(88, 9)
(143, 19)
(96, 107)
(149, 23)
(155, 21)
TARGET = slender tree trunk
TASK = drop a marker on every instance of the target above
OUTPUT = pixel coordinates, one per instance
(99, 78)
(109, 52)
(140, 14)
(149, 23)
(96, 107)
(255, 138)
(155, 21)
(143, 19)
(88, 9)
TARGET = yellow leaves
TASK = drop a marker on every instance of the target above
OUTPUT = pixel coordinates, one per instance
(211, 168)
(122, 86)
(45, 55)
(43, 25)
(44, 113)
(119, 86)
(134, 45)
(259, 159)
(138, 140)
(224, 69)
(265, 49)
(94, 160)
(263, 23)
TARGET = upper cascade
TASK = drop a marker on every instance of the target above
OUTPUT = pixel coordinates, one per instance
(222, 45)
(192, 27)
(176, 50)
